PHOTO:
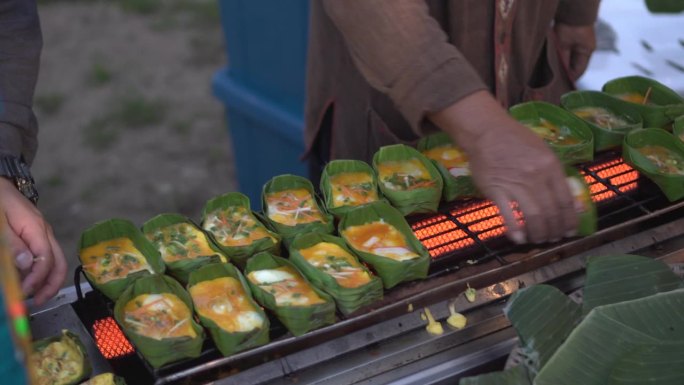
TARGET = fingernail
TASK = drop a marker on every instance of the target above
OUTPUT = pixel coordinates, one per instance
(518, 237)
(24, 260)
(27, 289)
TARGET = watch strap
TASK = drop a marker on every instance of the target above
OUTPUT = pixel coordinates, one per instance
(16, 169)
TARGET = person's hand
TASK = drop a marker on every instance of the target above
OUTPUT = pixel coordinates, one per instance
(576, 44)
(37, 254)
(509, 163)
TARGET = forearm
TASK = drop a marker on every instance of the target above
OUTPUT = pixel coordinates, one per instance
(403, 52)
(20, 46)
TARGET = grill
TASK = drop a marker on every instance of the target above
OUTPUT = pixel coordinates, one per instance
(466, 242)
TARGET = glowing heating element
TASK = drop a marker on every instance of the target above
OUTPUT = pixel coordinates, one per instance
(441, 235)
(110, 339)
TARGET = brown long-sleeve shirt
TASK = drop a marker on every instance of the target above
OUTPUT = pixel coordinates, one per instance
(377, 67)
(20, 45)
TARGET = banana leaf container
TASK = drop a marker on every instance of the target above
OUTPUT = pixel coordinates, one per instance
(73, 342)
(164, 351)
(239, 203)
(348, 299)
(392, 272)
(230, 342)
(181, 268)
(457, 181)
(672, 185)
(678, 128)
(584, 205)
(657, 104)
(120, 228)
(604, 138)
(338, 167)
(288, 182)
(422, 198)
(569, 125)
(105, 379)
(297, 319)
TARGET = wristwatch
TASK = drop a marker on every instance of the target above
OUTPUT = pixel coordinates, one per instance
(17, 171)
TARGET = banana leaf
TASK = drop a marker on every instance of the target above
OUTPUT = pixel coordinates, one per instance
(543, 317)
(665, 104)
(230, 342)
(604, 138)
(348, 299)
(665, 6)
(120, 228)
(164, 351)
(568, 125)
(678, 128)
(181, 269)
(670, 183)
(460, 183)
(337, 167)
(235, 201)
(638, 366)
(612, 335)
(297, 319)
(392, 272)
(294, 182)
(416, 200)
(105, 379)
(72, 341)
(619, 278)
(584, 205)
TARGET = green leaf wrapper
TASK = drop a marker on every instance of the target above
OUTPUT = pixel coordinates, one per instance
(671, 184)
(667, 104)
(678, 128)
(588, 218)
(297, 319)
(419, 200)
(67, 337)
(105, 379)
(391, 272)
(339, 166)
(348, 299)
(240, 254)
(120, 228)
(665, 6)
(292, 182)
(230, 342)
(604, 138)
(160, 352)
(181, 269)
(577, 128)
(455, 187)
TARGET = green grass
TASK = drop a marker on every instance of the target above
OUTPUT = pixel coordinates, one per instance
(50, 104)
(137, 111)
(100, 134)
(99, 74)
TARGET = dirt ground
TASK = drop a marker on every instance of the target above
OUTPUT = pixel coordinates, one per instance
(128, 125)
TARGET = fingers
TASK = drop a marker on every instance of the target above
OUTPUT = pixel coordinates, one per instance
(23, 258)
(535, 208)
(35, 236)
(57, 275)
(503, 200)
(566, 203)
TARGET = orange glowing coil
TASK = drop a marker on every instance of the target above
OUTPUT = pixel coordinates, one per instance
(110, 339)
(440, 235)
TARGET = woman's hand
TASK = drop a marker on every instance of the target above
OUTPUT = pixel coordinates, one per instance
(509, 163)
(37, 254)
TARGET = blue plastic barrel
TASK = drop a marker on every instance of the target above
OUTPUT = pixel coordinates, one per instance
(263, 88)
